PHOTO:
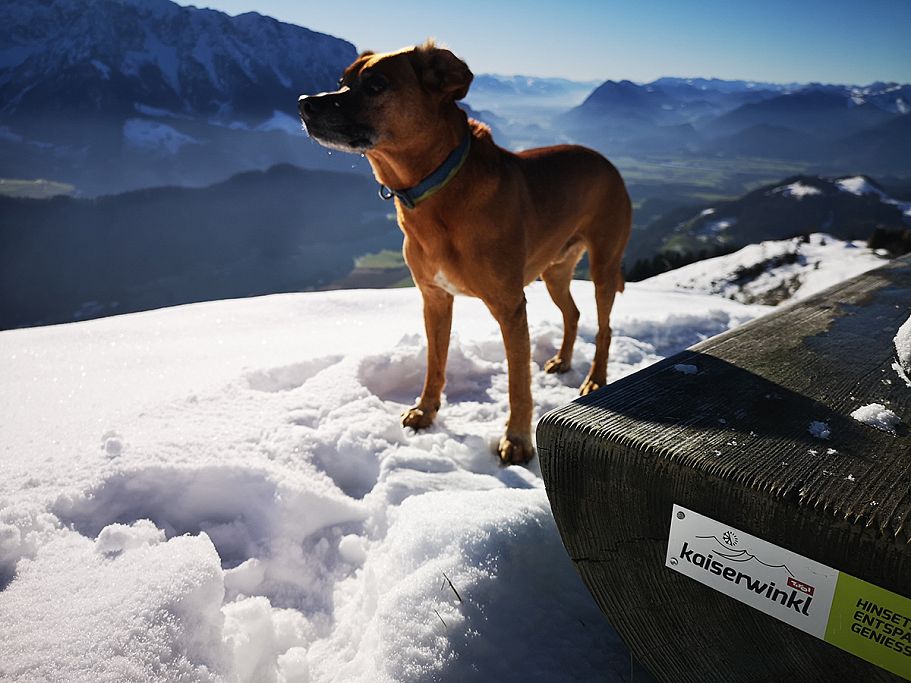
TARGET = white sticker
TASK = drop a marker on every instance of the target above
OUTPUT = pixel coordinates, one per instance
(785, 585)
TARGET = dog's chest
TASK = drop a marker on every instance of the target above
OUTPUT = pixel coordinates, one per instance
(444, 283)
(434, 258)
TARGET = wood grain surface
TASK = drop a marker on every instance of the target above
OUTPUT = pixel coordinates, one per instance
(733, 442)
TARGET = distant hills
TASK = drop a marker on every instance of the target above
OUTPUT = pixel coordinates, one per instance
(285, 229)
(832, 127)
(848, 208)
(290, 229)
(527, 96)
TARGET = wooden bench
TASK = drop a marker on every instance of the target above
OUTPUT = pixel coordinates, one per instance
(726, 429)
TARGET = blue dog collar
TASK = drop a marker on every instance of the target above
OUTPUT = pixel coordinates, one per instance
(436, 181)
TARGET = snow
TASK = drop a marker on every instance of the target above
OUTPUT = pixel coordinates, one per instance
(103, 69)
(715, 228)
(223, 492)
(203, 52)
(772, 271)
(820, 430)
(157, 112)
(155, 136)
(859, 186)
(154, 52)
(149, 614)
(878, 416)
(797, 190)
(902, 344)
(281, 121)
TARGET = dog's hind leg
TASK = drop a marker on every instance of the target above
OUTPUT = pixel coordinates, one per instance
(437, 323)
(605, 255)
(557, 277)
(608, 281)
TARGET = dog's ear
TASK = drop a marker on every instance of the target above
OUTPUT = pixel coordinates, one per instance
(439, 70)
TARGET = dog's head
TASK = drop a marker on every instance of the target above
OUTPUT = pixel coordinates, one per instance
(385, 99)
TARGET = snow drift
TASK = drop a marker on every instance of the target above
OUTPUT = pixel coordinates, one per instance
(223, 492)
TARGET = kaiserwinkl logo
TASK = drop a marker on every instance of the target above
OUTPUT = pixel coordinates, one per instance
(796, 599)
(767, 577)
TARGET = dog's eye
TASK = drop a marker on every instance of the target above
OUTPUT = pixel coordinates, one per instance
(375, 84)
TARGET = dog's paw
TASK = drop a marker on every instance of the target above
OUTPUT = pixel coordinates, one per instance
(558, 365)
(588, 386)
(417, 418)
(514, 450)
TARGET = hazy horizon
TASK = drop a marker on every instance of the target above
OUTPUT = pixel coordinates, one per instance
(831, 42)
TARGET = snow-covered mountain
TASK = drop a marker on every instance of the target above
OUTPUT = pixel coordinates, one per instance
(848, 208)
(113, 95)
(712, 85)
(120, 58)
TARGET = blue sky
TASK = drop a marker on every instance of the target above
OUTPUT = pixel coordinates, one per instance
(830, 41)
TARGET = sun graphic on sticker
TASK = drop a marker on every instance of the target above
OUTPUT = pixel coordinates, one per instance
(730, 538)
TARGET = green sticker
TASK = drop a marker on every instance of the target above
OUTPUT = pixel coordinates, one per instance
(872, 623)
(865, 620)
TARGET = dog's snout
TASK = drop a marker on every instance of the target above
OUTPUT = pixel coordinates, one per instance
(306, 105)
(313, 105)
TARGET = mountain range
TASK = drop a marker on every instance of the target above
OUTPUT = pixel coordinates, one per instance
(113, 95)
(830, 126)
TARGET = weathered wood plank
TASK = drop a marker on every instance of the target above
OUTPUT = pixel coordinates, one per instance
(733, 442)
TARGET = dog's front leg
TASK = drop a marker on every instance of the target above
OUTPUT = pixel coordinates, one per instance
(437, 324)
(515, 447)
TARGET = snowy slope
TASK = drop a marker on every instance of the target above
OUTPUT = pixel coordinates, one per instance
(845, 207)
(860, 186)
(774, 271)
(223, 492)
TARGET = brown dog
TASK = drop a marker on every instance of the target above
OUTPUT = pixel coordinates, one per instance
(478, 220)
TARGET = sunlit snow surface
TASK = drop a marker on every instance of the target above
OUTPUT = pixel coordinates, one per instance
(295, 531)
(902, 343)
(878, 416)
(223, 491)
(774, 270)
